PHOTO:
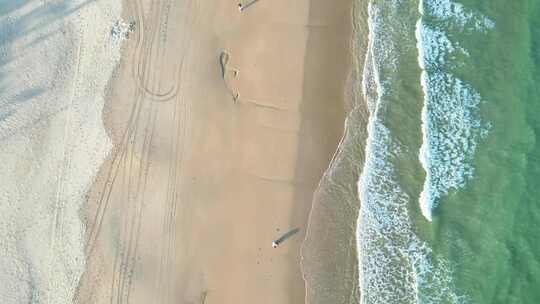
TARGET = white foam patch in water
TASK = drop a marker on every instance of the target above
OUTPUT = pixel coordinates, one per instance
(451, 125)
(454, 13)
(395, 266)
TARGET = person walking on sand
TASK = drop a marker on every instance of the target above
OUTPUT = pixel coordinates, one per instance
(275, 244)
(240, 7)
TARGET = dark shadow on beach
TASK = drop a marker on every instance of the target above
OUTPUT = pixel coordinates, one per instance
(287, 235)
(245, 6)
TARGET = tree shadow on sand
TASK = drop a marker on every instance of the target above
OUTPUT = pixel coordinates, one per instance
(33, 21)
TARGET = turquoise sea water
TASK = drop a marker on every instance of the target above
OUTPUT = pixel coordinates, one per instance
(450, 184)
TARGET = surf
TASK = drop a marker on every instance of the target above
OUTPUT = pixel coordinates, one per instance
(395, 265)
(451, 125)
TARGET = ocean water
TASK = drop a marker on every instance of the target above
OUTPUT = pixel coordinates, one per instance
(395, 264)
(447, 156)
(449, 207)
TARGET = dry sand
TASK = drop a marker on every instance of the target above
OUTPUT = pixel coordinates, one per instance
(213, 159)
(56, 58)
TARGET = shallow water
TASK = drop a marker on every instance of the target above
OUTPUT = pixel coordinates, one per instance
(447, 172)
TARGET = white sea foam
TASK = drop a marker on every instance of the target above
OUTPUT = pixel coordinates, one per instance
(455, 13)
(55, 60)
(395, 266)
(451, 125)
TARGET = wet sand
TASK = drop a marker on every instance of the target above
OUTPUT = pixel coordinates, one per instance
(222, 123)
(329, 252)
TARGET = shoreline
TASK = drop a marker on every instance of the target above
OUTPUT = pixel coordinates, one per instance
(332, 275)
(330, 37)
(209, 164)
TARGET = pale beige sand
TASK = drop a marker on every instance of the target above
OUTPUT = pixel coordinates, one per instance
(219, 159)
(56, 58)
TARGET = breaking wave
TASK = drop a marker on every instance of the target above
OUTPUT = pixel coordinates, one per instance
(451, 125)
(395, 266)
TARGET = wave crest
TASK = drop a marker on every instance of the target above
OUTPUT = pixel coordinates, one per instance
(451, 125)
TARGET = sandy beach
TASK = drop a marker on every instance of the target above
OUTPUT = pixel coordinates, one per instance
(53, 141)
(268, 151)
(222, 124)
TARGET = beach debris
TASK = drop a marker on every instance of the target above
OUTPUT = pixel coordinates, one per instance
(223, 60)
(204, 295)
(120, 30)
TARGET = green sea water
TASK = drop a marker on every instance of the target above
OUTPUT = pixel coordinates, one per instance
(440, 158)
(489, 229)
(464, 88)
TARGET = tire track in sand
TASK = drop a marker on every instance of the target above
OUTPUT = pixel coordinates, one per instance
(124, 261)
(141, 38)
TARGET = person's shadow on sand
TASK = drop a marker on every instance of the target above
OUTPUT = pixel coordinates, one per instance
(287, 235)
(245, 6)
